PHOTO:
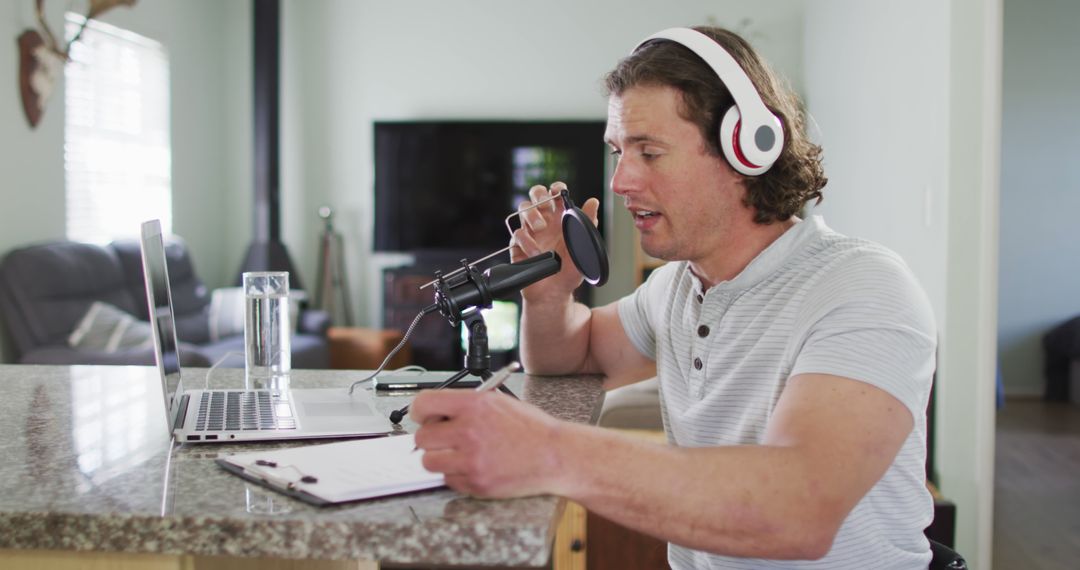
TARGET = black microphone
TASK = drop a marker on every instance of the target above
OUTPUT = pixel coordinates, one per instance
(475, 289)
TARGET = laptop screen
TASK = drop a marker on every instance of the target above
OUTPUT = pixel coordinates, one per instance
(159, 301)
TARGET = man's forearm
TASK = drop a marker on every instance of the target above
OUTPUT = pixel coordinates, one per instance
(750, 501)
(555, 336)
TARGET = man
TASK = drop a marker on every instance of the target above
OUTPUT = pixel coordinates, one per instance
(794, 363)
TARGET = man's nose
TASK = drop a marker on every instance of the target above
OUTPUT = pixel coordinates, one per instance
(624, 179)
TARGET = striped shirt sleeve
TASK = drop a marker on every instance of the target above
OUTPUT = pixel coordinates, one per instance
(868, 320)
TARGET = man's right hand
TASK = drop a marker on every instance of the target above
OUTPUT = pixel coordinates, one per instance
(541, 231)
(559, 336)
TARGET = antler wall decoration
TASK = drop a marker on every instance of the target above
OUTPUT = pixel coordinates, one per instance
(42, 56)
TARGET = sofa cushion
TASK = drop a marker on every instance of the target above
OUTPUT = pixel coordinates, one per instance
(226, 313)
(105, 328)
(636, 406)
(47, 288)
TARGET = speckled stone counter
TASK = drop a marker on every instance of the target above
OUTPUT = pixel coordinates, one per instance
(88, 465)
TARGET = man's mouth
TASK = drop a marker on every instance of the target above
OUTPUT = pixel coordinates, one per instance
(644, 214)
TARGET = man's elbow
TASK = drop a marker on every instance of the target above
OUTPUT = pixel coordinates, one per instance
(801, 543)
(799, 532)
(811, 537)
(801, 536)
(813, 545)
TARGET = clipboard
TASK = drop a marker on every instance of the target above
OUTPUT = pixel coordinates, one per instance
(333, 473)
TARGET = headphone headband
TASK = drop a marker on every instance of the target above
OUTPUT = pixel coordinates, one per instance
(759, 133)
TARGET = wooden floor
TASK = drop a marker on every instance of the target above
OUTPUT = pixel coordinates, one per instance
(1037, 486)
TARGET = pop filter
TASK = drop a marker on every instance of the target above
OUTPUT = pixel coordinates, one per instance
(584, 243)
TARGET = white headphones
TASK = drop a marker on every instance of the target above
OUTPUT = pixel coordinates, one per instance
(750, 135)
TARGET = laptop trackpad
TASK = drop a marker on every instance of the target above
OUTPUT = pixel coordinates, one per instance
(330, 409)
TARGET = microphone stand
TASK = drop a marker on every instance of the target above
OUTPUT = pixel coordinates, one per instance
(477, 355)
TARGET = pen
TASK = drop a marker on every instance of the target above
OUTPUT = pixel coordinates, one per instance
(495, 381)
(499, 377)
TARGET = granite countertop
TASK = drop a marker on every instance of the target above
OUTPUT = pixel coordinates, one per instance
(104, 475)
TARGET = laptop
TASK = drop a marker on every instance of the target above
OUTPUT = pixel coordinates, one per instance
(227, 415)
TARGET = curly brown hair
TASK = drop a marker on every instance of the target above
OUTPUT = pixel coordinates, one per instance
(796, 177)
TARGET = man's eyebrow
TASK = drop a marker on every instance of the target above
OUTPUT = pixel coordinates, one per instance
(635, 139)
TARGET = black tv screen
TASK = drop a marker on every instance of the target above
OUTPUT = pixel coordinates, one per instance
(447, 186)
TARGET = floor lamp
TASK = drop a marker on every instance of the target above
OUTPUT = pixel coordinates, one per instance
(331, 286)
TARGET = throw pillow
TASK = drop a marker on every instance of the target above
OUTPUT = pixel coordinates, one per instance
(106, 328)
(226, 313)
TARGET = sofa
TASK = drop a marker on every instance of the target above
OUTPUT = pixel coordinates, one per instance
(1061, 347)
(51, 293)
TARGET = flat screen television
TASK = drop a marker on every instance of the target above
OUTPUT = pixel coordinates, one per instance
(446, 187)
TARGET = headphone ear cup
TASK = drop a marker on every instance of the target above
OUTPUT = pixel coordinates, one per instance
(729, 143)
(727, 137)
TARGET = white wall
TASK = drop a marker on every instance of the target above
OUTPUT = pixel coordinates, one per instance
(1040, 185)
(905, 95)
(880, 102)
(351, 62)
(31, 161)
(210, 67)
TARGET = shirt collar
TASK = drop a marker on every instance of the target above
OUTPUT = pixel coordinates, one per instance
(771, 258)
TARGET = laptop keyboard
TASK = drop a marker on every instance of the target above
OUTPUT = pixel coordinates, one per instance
(236, 410)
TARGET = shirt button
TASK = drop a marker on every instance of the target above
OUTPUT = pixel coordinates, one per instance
(700, 299)
(697, 364)
(703, 331)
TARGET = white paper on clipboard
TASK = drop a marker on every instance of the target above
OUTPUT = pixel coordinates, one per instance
(339, 472)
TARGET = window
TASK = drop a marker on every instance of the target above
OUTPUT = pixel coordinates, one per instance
(117, 159)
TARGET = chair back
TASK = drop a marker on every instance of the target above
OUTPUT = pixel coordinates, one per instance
(190, 297)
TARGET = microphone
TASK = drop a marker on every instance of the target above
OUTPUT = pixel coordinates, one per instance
(475, 289)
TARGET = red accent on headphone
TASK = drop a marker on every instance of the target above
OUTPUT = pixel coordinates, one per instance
(738, 148)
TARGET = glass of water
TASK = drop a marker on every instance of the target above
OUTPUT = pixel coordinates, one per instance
(267, 358)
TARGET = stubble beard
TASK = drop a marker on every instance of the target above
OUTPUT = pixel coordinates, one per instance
(655, 248)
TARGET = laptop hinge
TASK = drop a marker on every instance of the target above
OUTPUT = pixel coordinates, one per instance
(181, 413)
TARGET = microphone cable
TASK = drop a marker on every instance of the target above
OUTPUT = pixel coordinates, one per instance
(408, 332)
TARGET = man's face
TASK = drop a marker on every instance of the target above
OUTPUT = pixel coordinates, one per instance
(682, 197)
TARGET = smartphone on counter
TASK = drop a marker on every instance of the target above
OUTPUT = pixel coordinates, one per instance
(394, 382)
